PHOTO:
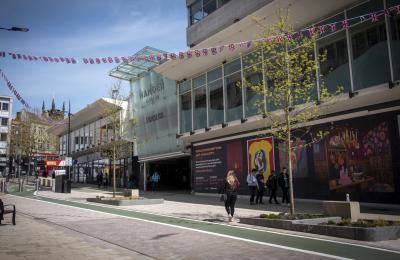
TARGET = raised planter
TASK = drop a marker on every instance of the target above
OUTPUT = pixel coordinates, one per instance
(140, 201)
(316, 226)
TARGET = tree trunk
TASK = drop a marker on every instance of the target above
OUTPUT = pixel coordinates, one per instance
(289, 149)
(114, 184)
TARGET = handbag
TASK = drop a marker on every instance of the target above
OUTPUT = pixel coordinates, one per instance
(223, 197)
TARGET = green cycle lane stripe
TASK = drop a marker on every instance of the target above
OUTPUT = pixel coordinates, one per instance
(302, 243)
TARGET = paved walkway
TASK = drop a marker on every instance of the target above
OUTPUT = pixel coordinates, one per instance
(149, 227)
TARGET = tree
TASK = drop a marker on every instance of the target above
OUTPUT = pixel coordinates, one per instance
(292, 81)
(113, 148)
(30, 137)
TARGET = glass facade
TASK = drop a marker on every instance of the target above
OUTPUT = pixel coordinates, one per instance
(357, 57)
(201, 8)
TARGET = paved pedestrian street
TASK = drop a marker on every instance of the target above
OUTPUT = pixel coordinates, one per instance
(62, 229)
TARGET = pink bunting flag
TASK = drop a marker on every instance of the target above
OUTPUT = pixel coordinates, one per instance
(221, 48)
(311, 31)
(231, 47)
(322, 29)
(345, 24)
(189, 54)
(205, 52)
(214, 51)
(197, 53)
(374, 18)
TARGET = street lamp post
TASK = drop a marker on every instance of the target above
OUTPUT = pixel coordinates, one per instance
(15, 29)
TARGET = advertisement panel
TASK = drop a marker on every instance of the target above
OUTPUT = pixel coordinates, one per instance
(260, 152)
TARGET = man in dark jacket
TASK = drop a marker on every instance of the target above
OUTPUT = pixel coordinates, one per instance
(283, 182)
(260, 187)
(272, 184)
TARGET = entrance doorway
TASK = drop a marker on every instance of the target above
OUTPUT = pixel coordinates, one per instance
(174, 174)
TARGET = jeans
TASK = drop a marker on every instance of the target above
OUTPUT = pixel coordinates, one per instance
(253, 190)
(154, 186)
(273, 196)
(285, 195)
(230, 204)
(259, 197)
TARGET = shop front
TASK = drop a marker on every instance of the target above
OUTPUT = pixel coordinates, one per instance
(360, 157)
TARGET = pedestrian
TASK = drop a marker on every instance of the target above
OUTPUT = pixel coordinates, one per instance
(283, 182)
(105, 180)
(252, 183)
(99, 179)
(260, 187)
(155, 178)
(272, 184)
(229, 189)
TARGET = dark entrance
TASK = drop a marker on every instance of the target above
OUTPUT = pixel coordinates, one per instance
(174, 174)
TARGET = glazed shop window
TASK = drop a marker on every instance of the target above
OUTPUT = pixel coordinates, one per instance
(3, 137)
(196, 12)
(254, 88)
(369, 47)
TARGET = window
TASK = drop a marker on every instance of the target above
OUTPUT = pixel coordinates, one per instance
(233, 82)
(185, 106)
(196, 12)
(216, 97)
(395, 38)
(209, 6)
(4, 121)
(201, 8)
(369, 46)
(4, 106)
(253, 80)
(200, 104)
(186, 112)
(3, 137)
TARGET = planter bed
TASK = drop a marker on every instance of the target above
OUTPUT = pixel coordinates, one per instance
(319, 226)
(126, 202)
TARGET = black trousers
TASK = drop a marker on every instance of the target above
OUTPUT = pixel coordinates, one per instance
(273, 196)
(253, 190)
(230, 204)
(285, 195)
(260, 195)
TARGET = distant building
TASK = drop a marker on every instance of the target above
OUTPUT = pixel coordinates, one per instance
(5, 116)
(90, 134)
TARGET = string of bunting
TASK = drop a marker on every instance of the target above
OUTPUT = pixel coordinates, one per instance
(320, 30)
(27, 107)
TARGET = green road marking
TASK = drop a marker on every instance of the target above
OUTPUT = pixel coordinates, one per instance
(302, 243)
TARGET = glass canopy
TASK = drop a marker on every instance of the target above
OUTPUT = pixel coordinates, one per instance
(132, 69)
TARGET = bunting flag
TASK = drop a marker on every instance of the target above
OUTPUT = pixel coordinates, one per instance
(24, 103)
(210, 51)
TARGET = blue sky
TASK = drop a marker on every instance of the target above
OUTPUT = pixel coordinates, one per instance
(81, 28)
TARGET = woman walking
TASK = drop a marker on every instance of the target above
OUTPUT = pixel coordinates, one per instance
(230, 190)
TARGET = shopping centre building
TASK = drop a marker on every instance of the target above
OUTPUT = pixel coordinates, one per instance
(195, 123)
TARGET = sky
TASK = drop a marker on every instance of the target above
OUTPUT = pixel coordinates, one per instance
(81, 28)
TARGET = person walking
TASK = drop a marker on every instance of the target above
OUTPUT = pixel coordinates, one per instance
(272, 184)
(155, 178)
(283, 182)
(229, 188)
(252, 183)
(260, 187)
(105, 179)
(99, 179)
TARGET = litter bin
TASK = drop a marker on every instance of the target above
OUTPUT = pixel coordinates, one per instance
(67, 186)
(59, 183)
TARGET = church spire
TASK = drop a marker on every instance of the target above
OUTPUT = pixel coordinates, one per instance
(43, 107)
(63, 107)
(53, 105)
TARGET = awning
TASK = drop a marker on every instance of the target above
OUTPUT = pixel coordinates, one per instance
(132, 69)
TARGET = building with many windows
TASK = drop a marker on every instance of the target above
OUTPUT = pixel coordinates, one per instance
(5, 117)
(90, 133)
(219, 128)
